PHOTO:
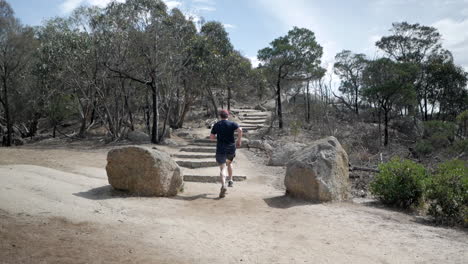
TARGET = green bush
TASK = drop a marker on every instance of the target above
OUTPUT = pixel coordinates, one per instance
(439, 129)
(424, 147)
(447, 193)
(399, 183)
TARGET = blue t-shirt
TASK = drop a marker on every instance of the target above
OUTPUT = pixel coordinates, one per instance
(224, 131)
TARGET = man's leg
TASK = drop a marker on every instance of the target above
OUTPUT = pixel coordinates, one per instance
(229, 169)
(222, 174)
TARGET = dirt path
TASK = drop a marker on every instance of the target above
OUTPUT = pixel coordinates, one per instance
(57, 207)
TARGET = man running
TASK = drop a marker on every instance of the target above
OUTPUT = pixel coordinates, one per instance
(223, 131)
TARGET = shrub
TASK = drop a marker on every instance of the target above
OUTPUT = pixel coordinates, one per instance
(439, 130)
(447, 193)
(399, 183)
(424, 147)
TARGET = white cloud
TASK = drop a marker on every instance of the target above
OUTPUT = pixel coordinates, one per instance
(229, 26)
(455, 38)
(206, 8)
(173, 4)
(255, 62)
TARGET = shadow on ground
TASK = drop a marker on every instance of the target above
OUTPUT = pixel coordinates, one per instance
(195, 197)
(108, 192)
(104, 193)
(285, 202)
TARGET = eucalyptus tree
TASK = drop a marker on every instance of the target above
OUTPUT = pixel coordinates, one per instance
(417, 44)
(349, 67)
(236, 74)
(448, 86)
(140, 23)
(213, 58)
(389, 85)
(16, 49)
(289, 58)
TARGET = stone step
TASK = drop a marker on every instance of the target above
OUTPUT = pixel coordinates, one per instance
(254, 122)
(262, 116)
(204, 140)
(210, 179)
(194, 156)
(245, 110)
(254, 118)
(250, 127)
(197, 164)
(198, 149)
(210, 144)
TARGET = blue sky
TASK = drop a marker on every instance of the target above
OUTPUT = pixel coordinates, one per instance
(338, 24)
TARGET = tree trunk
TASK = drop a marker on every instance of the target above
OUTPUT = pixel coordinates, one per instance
(130, 114)
(53, 131)
(308, 102)
(213, 101)
(7, 114)
(356, 103)
(425, 108)
(154, 130)
(278, 95)
(229, 98)
(386, 127)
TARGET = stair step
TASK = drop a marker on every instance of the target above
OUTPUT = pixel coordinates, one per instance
(199, 150)
(210, 179)
(258, 116)
(254, 122)
(193, 156)
(207, 144)
(196, 164)
(204, 140)
(254, 118)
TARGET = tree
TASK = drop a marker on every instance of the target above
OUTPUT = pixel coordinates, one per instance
(389, 85)
(213, 58)
(349, 68)
(16, 48)
(416, 44)
(290, 57)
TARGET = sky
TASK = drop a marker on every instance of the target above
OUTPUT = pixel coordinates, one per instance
(338, 24)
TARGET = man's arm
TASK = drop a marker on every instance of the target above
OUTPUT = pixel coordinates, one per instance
(239, 137)
(213, 137)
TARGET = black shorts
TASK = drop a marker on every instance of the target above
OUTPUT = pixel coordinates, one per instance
(222, 157)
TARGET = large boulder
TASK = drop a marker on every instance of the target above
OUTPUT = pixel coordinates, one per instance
(283, 153)
(138, 137)
(319, 172)
(143, 171)
(260, 144)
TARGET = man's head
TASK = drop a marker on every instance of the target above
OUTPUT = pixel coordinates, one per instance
(224, 114)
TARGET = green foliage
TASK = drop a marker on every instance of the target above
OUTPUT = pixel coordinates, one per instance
(294, 57)
(424, 147)
(447, 193)
(460, 146)
(399, 183)
(439, 134)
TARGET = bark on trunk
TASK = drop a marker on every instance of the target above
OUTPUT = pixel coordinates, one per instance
(6, 107)
(278, 95)
(154, 130)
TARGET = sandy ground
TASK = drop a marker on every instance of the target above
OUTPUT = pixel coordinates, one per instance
(56, 207)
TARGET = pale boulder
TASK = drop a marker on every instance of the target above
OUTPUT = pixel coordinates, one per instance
(143, 171)
(319, 172)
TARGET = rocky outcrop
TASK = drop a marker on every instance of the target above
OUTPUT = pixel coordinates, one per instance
(143, 171)
(283, 153)
(319, 172)
(260, 144)
(138, 137)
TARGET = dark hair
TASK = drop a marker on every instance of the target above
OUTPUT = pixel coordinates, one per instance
(223, 114)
